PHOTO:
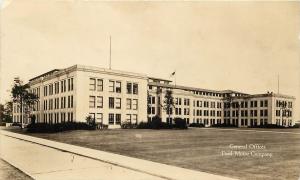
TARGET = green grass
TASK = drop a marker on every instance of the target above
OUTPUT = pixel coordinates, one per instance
(198, 149)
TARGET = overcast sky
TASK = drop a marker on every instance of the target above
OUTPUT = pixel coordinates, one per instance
(216, 45)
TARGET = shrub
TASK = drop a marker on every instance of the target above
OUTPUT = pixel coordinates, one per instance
(156, 123)
(180, 123)
(2, 123)
(296, 126)
(196, 125)
(223, 125)
(128, 125)
(59, 127)
(144, 125)
(16, 124)
(268, 126)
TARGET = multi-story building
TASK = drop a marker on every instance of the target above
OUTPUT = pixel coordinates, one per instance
(74, 93)
(112, 97)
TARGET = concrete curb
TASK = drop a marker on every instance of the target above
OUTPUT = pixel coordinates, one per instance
(144, 166)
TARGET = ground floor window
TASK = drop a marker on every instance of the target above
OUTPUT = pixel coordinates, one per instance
(118, 118)
(99, 118)
(111, 118)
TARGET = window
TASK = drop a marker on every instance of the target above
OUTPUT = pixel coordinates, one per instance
(135, 88)
(118, 87)
(128, 117)
(62, 86)
(45, 90)
(129, 88)
(111, 102)
(128, 103)
(99, 117)
(99, 85)
(153, 100)
(111, 87)
(62, 102)
(65, 82)
(266, 103)
(72, 84)
(92, 84)
(92, 115)
(111, 118)
(118, 103)
(99, 102)
(266, 112)
(92, 102)
(71, 101)
(118, 118)
(51, 89)
(69, 84)
(134, 104)
(261, 105)
(153, 110)
(134, 119)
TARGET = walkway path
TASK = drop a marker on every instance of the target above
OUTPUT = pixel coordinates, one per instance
(45, 159)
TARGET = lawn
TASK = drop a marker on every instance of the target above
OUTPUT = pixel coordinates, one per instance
(199, 149)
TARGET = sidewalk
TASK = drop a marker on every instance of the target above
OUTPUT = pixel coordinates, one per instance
(45, 159)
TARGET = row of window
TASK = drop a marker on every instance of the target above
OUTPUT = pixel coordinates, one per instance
(57, 117)
(59, 86)
(244, 113)
(284, 122)
(115, 119)
(113, 103)
(285, 113)
(65, 102)
(284, 104)
(113, 86)
(244, 104)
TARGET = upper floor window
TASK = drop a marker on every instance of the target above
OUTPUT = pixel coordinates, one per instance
(118, 87)
(128, 103)
(118, 103)
(92, 101)
(135, 88)
(134, 104)
(99, 85)
(45, 90)
(111, 102)
(99, 102)
(111, 87)
(132, 88)
(92, 84)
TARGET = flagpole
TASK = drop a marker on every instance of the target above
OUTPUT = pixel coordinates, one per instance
(175, 77)
(109, 52)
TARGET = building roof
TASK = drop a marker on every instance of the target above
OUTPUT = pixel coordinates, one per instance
(159, 79)
(183, 87)
(45, 74)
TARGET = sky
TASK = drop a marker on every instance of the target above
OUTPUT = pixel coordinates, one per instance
(242, 46)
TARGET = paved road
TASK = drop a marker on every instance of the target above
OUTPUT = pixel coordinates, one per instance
(47, 163)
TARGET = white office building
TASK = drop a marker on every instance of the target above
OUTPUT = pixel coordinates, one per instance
(113, 97)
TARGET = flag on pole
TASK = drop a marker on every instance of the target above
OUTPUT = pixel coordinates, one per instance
(173, 73)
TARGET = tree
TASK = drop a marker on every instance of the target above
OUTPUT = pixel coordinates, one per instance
(7, 112)
(21, 95)
(169, 103)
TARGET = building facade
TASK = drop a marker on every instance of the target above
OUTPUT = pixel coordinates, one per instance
(113, 97)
